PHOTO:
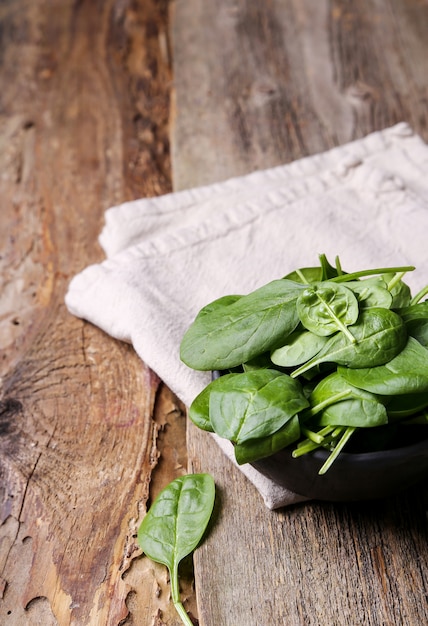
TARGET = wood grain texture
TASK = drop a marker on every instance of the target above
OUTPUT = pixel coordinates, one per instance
(258, 84)
(84, 109)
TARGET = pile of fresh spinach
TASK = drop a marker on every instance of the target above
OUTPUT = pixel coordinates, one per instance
(311, 359)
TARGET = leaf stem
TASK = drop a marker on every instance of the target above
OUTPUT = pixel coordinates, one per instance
(339, 269)
(395, 280)
(183, 614)
(423, 292)
(317, 408)
(175, 594)
(309, 444)
(337, 449)
(381, 270)
(309, 434)
(302, 277)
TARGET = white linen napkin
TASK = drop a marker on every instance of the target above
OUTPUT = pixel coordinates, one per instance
(366, 201)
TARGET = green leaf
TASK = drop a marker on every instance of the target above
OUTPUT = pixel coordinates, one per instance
(371, 292)
(324, 271)
(305, 275)
(324, 308)
(237, 332)
(299, 347)
(259, 362)
(406, 404)
(256, 449)
(405, 373)
(380, 334)
(400, 291)
(199, 410)
(218, 305)
(253, 405)
(354, 407)
(175, 524)
(416, 319)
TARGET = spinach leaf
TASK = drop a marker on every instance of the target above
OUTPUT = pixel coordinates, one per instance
(258, 362)
(256, 449)
(199, 410)
(253, 405)
(371, 292)
(218, 306)
(379, 335)
(324, 308)
(175, 524)
(305, 275)
(353, 407)
(416, 319)
(405, 373)
(399, 290)
(234, 334)
(406, 404)
(299, 347)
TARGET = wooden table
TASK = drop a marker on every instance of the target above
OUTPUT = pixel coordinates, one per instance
(97, 100)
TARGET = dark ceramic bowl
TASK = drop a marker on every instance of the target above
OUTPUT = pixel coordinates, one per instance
(352, 476)
(362, 476)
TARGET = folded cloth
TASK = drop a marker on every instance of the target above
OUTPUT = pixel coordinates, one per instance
(167, 257)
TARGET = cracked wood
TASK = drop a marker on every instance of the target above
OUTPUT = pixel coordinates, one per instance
(83, 423)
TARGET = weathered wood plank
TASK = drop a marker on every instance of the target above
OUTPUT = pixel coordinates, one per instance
(258, 84)
(84, 111)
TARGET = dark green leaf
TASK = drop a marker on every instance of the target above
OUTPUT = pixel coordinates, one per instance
(324, 308)
(255, 449)
(406, 404)
(371, 292)
(354, 407)
(405, 373)
(305, 275)
(253, 404)
(299, 347)
(259, 362)
(199, 410)
(234, 334)
(416, 319)
(401, 295)
(380, 335)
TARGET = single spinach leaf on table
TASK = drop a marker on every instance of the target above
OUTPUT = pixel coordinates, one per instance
(324, 308)
(234, 334)
(175, 524)
(253, 405)
(380, 334)
(256, 449)
(405, 373)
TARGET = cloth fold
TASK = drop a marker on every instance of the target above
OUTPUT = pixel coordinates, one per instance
(168, 256)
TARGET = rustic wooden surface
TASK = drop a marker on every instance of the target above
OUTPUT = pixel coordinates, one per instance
(88, 435)
(84, 108)
(257, 84)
